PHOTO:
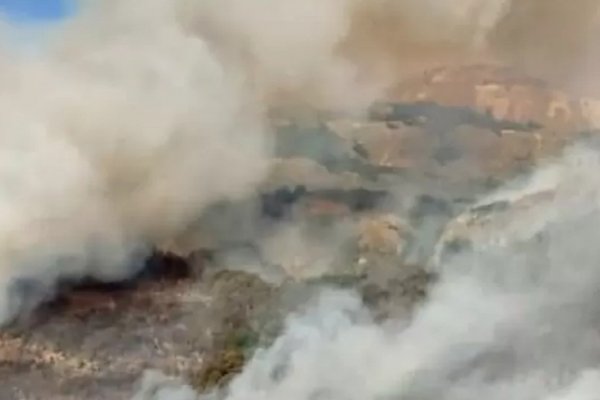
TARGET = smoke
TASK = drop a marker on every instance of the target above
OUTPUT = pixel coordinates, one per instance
(287, 47)
(126, 122)
(114, 137)
(155, 386)
(517, 322)
(131, 120)
(552, 39)
(499, 324)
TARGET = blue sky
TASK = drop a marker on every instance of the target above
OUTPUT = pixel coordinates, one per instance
(35, 10)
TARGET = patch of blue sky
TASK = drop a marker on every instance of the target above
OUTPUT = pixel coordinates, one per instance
(36, 11)
(31, 22)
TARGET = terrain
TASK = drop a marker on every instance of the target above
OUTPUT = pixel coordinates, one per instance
(370, 203)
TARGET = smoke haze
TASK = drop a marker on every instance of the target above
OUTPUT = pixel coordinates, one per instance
(132, 119)
(517, 322)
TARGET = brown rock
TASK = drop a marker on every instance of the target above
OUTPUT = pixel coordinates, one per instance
(504, 92)
(384, 233)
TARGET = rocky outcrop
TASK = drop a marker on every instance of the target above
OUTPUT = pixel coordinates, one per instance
(501, 91)
(386, 234)
(470, 152)
(506, 95)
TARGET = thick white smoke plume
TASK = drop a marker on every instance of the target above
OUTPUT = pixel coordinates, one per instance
(128, 121)
(111, 141)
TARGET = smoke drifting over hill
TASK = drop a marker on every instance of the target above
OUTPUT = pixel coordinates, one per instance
(518, 322)
(134, 118)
